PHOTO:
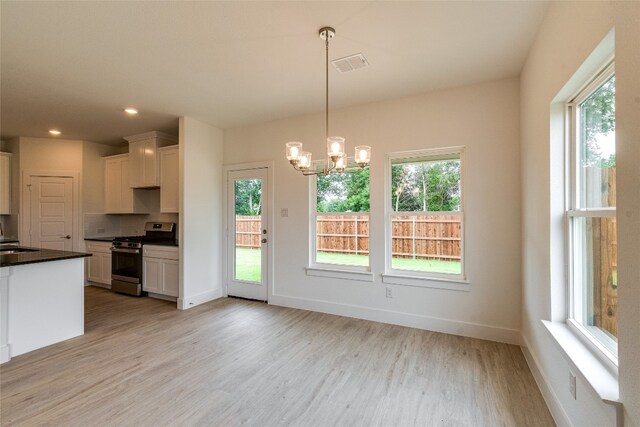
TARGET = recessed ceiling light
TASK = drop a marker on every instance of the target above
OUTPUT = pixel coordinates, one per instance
(54, 132)
(131, 111)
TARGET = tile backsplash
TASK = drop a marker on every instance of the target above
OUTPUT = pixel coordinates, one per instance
(9, 225)
(102, 225)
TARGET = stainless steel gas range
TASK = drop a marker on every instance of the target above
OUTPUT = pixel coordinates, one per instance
(126, 256)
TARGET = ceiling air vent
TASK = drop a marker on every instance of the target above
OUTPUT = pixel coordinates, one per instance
(350, 63)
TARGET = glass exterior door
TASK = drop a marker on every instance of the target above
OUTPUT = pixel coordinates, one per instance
(248, 237)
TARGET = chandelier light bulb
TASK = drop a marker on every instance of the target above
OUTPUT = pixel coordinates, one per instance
(335, 146)
(293, 150)
(341, 163)
(363, 155)
(304, 161)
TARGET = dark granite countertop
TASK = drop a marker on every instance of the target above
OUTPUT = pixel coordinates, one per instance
(8, 240)
(101, 239)
(39, 255)
(163, 243)
(110, 239)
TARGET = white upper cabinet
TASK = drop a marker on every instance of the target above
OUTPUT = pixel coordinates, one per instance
(144, 166)
(119, 197)
(5, 183)
(169, 179)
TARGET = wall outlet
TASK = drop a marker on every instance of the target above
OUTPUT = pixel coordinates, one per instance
(572, 385)
(99, 230)
(284, 212)
(389, 292)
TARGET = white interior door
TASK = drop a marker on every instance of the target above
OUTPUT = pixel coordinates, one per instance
(51, 208)
(248, 237)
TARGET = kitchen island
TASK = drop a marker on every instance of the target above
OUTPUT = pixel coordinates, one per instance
(41, 298)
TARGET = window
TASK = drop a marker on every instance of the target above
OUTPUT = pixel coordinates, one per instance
(425, 215)
(341, 219)
(591, 214)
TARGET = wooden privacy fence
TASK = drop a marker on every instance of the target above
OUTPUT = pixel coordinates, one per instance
(248, 230)
(435, 237)
(603, 249)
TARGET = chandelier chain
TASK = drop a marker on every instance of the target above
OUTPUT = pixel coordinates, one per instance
(326, 81)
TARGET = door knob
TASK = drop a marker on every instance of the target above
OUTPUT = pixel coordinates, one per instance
(264, 240)
(66, 237)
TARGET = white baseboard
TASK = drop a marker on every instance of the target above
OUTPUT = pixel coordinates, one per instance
(553, 403)
(192, 301)
(4, 354)
(447, 326)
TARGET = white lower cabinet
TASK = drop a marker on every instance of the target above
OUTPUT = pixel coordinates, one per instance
(99, 264)
(160, 270)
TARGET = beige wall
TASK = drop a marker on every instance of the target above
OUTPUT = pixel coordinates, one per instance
(484, 118)
(50, 154)
(569, 34)
(627, 21)
(201, 227)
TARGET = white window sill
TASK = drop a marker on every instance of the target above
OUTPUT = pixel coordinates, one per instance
(336, 273)
(602, 381)
(427, 282)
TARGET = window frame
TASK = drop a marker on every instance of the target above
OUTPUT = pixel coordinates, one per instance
(314, 266)
(597, 341)
(414, 277)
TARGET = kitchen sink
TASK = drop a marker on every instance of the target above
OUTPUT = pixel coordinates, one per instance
(14, 250)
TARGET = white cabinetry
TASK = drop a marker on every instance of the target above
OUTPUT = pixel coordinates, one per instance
(144, 164)
(119, 197)
(99, 265)
(5, 183)
(169, 179)
(160, 270)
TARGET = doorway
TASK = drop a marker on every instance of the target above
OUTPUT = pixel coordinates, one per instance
(248, 233)
(51, 210)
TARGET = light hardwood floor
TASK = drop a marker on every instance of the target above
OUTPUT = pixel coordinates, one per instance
(233, 362)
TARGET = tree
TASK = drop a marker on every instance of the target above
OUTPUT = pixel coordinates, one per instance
(248, 197)
(597, 113)
(345, 192)
(426, 186)
(404, 188)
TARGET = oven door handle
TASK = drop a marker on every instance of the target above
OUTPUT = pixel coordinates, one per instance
(125, 250)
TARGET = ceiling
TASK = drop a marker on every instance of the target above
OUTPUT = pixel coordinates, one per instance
(76, 65)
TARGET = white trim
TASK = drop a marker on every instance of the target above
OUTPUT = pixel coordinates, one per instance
(337, 273)
(5, 352)
(548, 394)
(581, 359)
(389, 212)
(592, 213)
(312, 263)
(603, 74)
(451, 284)
(447, 326)
(186, 303)
(600, 350)
(574, 283)
(269, 165)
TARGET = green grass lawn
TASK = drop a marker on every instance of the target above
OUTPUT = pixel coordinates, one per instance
(248, 263)
(451, 267)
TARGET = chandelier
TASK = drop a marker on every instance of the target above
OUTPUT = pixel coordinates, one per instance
(336, 156)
